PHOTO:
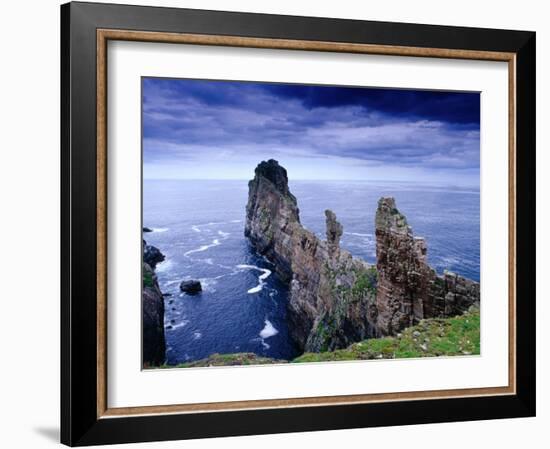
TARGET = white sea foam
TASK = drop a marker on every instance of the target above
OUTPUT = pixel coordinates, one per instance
(159, 229)
(195, 228)
(202, 248)
(359, 234)
(268, 330)
(261, 279)
(182, 323)
(164, 266)
(223, 234)
(172, 282)
(256, 289)
(450, 260)
(208, 284)
(197, 335)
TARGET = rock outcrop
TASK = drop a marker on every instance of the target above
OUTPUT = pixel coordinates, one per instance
(153, 341)
(152, 255)
(336, 299)
(409, 290)
(191, 287)
(330, 291)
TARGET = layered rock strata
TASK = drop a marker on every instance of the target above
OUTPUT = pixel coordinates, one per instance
(336, 299)
(331, 293)
(409, 290)
(153, 341)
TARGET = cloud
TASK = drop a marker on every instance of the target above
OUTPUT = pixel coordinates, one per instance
(200, 120)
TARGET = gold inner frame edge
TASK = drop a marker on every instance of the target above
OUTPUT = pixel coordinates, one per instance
(104, 35)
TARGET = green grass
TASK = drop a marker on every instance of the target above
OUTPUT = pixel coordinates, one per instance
(430, 338)
(241, 358)
(147, 279)
(366, 280)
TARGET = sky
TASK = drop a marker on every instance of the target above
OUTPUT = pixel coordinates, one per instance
(201, 129)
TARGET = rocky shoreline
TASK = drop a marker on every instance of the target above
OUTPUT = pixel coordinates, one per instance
(335, 300)
(435, 337)
(153, 339)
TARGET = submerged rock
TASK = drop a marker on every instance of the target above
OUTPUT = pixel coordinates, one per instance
(146, 229)
(191, 287)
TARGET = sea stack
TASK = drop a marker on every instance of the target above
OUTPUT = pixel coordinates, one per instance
(330, 291)
(336, 299)
(409, 290)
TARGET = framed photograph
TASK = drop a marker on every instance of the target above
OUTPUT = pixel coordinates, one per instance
(282, 224)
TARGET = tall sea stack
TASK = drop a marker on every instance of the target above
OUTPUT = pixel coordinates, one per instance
(336, 299)
(330, 291)
(408, 288)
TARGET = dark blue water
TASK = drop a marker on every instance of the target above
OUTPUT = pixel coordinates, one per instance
(199, 227)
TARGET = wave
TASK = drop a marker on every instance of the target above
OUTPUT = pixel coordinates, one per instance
(159, 229)
(261, 279)
(173, 327)
(164, 266)
(208, 283)
(359, 234)
(202, 248)
(197, 335)
(268, 330)
(197, 227)
(223, 234)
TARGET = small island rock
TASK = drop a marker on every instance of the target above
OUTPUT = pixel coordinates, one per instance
(191, 287)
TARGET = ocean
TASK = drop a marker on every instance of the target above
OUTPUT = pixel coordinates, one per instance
(198, 226)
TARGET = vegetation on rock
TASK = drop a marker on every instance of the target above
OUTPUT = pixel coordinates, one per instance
(240, 358)
(148, 279)
(432, 337)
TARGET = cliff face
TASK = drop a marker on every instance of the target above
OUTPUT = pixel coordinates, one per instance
(336, 299)
(153, 344)
(330, 292)
(409, 290)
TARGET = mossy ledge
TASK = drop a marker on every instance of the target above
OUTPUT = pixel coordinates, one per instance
(434, 337)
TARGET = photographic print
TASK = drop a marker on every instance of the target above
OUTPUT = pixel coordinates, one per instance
(294, 223)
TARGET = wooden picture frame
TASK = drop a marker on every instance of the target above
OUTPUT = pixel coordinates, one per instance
(85, 416)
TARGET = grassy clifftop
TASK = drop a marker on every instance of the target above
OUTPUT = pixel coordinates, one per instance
(236, 359)
(430, 338)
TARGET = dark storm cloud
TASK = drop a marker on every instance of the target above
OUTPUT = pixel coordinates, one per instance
(453, 107)
(202, 119)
